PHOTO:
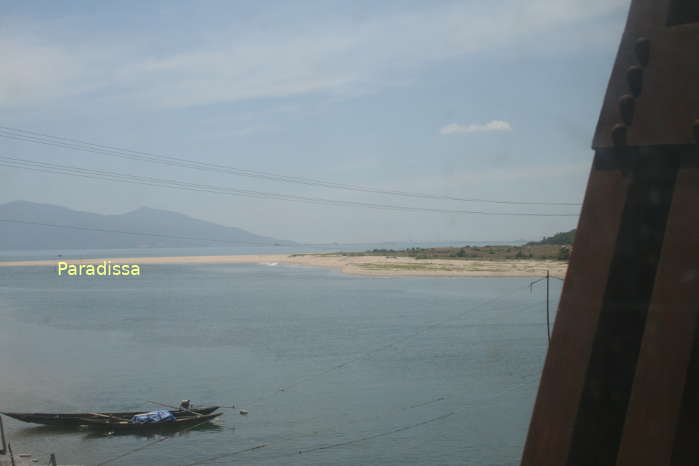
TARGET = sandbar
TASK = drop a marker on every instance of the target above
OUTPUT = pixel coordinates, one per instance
(380, 266)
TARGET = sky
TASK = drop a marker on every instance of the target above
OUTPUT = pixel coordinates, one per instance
(492, 100)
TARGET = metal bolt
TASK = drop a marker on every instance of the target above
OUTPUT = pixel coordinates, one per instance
(627, 104)
(642, 49)
(619, 135)
(634, 78)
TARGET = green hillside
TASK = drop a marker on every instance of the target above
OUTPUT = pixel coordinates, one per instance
(562, 239)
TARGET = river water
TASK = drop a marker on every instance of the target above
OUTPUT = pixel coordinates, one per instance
(333, 369)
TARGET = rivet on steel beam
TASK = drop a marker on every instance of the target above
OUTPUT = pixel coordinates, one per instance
(619, 135)
(634, 78)
(627, 105)
(642, 49)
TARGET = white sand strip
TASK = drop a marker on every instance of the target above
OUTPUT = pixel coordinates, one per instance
(354, 265)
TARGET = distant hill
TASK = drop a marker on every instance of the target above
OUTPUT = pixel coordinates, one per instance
(30, 236)
(563, 238)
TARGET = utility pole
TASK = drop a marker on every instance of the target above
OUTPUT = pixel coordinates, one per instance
(548, 313)
(548, 319)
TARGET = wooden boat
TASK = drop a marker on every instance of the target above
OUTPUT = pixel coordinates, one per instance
(76, 419)
(125, 425)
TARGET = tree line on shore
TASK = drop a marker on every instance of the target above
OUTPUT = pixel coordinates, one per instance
(555, 247)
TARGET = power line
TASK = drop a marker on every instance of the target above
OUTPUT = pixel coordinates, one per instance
(292, 438)
(289, 439)
(382, 434)
(226, 455)
(25, 164)
(112, 151)
(296, 435)
(332, 445)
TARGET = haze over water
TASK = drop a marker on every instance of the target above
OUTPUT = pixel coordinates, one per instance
(357, 357)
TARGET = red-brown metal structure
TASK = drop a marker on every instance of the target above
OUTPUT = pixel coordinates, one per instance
(620, 384)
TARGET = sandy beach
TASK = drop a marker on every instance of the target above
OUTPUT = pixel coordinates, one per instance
(354, 265)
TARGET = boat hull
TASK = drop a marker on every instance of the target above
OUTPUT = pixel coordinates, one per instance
(76, 419)
(178, 423)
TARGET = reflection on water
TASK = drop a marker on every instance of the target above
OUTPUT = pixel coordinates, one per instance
(86, 432)
(47, 430)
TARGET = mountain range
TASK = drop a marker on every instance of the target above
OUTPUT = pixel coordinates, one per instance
(29, 226)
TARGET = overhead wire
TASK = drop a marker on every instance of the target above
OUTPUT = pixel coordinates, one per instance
(328, 446)
(350, 421)
(332, 445)
(227, 455)
(113, 151)
(176, 184)
(280, 441)
(34, 165)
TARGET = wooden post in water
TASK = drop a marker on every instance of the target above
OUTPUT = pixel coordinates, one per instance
(12, 457)
(2, 438)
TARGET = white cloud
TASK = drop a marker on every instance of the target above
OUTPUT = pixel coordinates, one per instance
(31, 72)
(456, 128)
(332, 56)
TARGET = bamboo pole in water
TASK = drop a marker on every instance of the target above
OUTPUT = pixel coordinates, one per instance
(2, 438)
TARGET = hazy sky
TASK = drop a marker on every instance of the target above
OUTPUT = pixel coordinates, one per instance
(486, 99)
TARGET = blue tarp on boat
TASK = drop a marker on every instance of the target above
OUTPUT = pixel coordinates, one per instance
(161, 415)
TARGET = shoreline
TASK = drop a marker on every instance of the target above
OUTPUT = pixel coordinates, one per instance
(378, 266)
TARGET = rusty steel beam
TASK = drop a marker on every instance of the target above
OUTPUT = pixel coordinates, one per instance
(620, 384)
(583, 293)
(686, 448)
(669, 336)
(652, 95)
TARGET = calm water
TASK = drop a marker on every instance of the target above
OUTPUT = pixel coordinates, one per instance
(357, 358)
